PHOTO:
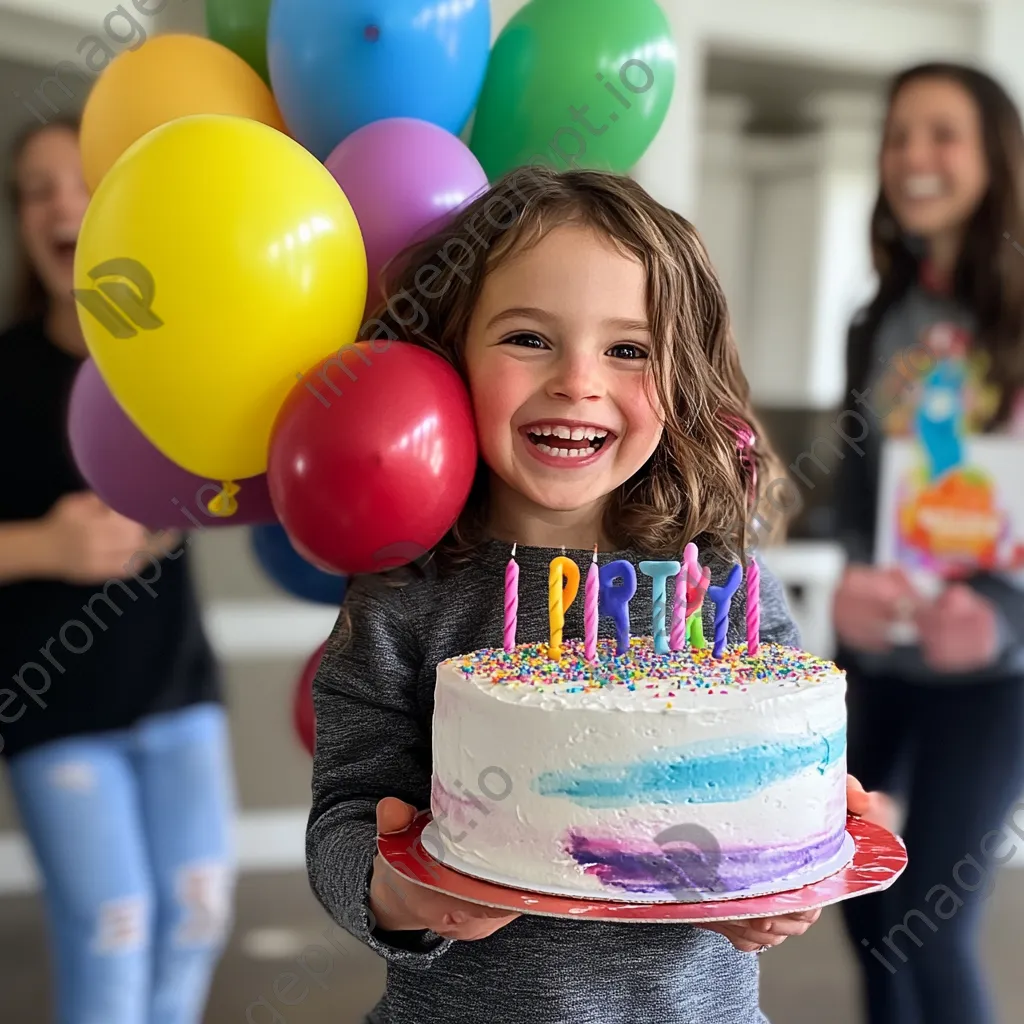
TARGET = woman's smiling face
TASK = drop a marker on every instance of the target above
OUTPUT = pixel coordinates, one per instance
(557, 355)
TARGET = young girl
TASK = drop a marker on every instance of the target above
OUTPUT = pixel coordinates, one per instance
(580, 303)
(941, 722)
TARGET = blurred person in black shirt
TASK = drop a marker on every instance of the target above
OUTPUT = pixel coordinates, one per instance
(111, 720)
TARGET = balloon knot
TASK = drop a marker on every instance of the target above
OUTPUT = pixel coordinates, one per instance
(371, 33)
(224, 504)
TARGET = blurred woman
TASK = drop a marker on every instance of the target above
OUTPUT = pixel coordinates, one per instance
(111, 721)
(940, 721)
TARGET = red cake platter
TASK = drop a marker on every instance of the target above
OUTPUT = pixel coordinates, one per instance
(879, 859)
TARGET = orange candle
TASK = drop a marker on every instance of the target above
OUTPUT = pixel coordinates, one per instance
(563, 583)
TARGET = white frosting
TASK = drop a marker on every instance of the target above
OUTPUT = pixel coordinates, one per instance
(520, 769)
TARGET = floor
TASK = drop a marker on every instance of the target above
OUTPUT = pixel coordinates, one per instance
(806, 981)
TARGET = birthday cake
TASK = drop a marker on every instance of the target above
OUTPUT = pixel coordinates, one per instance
(640, 776)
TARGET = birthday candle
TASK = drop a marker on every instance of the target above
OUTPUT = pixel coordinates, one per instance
(563, 585)
(511, 601)
(753, 607)
(677, 635)
(591, 610)
(659, 573)
(614, 599)
(722, 596)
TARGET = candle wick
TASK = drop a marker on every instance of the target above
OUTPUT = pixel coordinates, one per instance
(514, 546)
(595, 553)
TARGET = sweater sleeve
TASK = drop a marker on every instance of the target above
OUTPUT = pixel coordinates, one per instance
(371, 742)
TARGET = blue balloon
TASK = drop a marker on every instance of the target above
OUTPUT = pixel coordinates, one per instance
(337, 65)
(290, 571)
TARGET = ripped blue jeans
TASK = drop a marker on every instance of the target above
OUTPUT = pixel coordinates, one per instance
(132, 832)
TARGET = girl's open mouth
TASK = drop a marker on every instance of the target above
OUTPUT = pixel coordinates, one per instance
(566, 440)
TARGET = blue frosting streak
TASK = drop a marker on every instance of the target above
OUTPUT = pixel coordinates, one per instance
(700, 773)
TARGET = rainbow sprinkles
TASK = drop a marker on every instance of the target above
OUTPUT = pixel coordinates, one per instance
(528, 666)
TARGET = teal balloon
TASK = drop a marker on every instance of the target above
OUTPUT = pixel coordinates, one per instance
(241, 26)
(575, 83)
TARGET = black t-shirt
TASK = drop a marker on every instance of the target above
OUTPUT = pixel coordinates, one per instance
(81, 659)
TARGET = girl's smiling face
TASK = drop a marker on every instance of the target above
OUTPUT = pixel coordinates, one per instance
(558, 359)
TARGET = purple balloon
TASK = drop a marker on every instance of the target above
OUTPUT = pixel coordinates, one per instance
(133, 477)
(404, 178)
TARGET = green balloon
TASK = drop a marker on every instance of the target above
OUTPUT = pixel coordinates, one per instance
(575, 84)
(241, 25)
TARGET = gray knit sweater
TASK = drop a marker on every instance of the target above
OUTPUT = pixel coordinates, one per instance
(374, 699)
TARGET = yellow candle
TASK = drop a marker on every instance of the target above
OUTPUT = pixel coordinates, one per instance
(563, 583)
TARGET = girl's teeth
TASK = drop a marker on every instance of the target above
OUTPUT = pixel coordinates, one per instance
(566, 453)
(569, 433)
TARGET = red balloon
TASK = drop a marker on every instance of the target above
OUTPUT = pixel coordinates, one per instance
(303, 715)
(372, 457)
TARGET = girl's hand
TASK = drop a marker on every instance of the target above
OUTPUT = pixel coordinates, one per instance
(875, 806)
(398, 905)
(958, 632)
(751, 936)
(867, 602)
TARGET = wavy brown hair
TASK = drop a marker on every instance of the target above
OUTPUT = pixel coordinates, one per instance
(695, 484)
(989, 275)
(31, 300)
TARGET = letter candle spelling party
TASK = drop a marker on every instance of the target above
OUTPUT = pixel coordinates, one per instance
(659, 573)
(511, 601)
(722, 596)
(614, 600)
(753, 607)
(563, 585)
(590, 613)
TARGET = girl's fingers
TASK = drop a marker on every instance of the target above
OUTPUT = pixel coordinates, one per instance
(783, 927)
(748, 941)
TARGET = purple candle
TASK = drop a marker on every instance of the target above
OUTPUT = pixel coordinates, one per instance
(614, 599)
(722, 596)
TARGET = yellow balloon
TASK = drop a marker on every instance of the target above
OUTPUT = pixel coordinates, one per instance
(217, 261)
(166, 78)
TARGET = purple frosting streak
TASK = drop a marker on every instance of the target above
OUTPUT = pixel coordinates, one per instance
(647, 868)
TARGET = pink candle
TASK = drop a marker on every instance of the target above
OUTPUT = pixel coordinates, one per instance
(753, 606)
(511, 601)
(677, 634)
(590, 609)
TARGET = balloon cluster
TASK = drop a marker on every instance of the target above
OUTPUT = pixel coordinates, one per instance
(248, 191)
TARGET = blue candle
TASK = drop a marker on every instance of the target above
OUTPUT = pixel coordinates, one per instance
(722, 596)
(659, 573)
(614, 599)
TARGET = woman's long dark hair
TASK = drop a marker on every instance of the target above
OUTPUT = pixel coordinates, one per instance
(989, 275)
(31, 300)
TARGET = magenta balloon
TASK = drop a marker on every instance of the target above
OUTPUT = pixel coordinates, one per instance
(133, 477)
(404, 178)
